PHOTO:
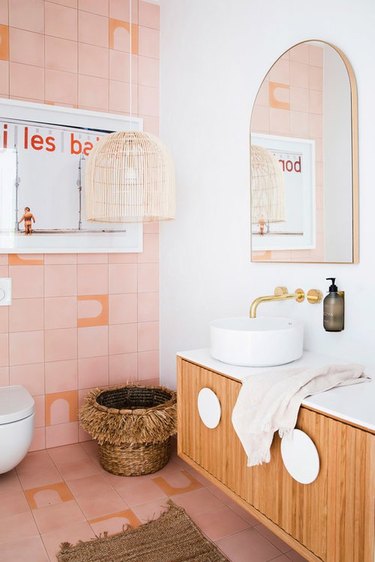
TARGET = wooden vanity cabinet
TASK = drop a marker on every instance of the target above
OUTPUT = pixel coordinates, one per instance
(331, 519)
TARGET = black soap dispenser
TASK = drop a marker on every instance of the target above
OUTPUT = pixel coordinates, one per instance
(333, 309)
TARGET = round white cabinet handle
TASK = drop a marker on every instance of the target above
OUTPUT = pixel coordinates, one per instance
(209, 408)
(300, 456)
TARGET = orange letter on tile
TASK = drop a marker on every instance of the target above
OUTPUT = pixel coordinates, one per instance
(17, 259)
(115, 25)
(100, 319)
(65, 405)
(49, 494)
(274, 102)
(172, 490)
(4, 42)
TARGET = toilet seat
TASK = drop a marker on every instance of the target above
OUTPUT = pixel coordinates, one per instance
(16, 403)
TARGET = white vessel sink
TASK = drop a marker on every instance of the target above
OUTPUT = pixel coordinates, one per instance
(256, 342)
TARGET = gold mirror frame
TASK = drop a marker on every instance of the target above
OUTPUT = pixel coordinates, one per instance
(354, 156)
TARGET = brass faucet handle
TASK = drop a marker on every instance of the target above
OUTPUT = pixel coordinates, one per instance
(280, 291)
(314, 296)
(300, 295)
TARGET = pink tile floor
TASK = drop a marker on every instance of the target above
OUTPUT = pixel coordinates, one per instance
(63, 494)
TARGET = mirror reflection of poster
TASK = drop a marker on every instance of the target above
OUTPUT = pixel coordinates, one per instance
(286, 218)
(42, 159)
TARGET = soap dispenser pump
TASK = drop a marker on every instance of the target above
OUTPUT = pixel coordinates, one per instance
(333, 309)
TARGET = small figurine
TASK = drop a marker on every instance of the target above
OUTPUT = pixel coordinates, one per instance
(28, 218)
(262, 225)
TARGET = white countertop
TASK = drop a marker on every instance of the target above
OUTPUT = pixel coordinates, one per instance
(354, 403)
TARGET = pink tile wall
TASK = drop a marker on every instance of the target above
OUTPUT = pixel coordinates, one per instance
(86, 320)
(289, 103)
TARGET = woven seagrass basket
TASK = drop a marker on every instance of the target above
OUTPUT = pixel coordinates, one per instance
(133, 426)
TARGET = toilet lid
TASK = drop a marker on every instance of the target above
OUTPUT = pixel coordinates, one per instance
(16, 403)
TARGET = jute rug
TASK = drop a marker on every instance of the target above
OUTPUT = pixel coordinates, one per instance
(173, 537)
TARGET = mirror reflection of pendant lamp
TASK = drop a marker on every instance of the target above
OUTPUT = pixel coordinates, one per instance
(267, 189)
(129, 175)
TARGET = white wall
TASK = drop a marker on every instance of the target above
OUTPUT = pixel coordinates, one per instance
(214, 54)
(337, 163)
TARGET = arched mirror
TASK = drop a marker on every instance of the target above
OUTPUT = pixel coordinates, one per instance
(304, 160)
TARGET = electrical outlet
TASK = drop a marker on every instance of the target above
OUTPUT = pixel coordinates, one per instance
(5, 291)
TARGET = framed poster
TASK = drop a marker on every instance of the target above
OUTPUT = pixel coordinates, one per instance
(43, 151)
(296, 230)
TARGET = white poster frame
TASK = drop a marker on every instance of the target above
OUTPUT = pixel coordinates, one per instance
(287, 239)
(93, 238)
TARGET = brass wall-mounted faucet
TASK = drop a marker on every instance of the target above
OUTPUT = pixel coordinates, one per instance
(314, 296)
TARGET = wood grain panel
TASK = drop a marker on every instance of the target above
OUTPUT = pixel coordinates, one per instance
(332, 518)
(351, 493)
(208, 447)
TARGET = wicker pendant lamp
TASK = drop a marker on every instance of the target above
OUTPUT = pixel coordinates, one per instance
(129, 175)
(129, 178)
(267, 187)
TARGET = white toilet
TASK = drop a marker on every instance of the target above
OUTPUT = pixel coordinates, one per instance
(17, 412)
